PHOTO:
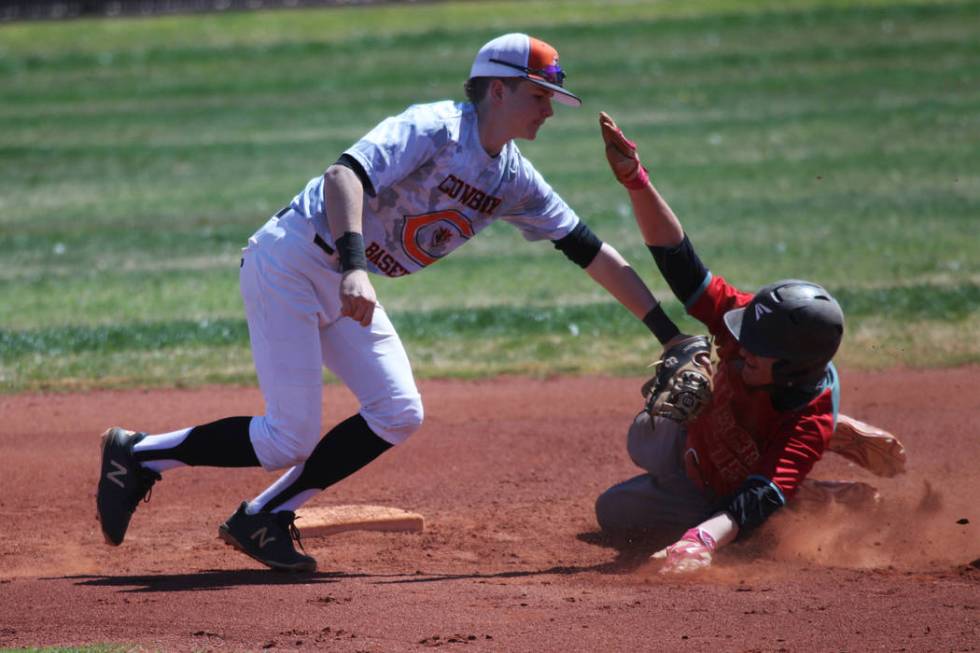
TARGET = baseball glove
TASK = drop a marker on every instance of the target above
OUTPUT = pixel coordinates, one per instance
(681, 385)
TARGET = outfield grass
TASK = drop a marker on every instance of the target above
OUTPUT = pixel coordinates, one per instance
(829, 140)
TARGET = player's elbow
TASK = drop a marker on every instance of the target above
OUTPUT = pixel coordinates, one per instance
(336, 175)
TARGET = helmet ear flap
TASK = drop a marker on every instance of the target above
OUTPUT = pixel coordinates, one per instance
(789, 373)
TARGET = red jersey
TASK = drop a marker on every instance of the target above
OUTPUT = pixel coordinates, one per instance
(740, 434)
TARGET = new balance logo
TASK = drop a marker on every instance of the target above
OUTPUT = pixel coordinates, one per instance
(116, 476)
(761, 310)
(263, 537)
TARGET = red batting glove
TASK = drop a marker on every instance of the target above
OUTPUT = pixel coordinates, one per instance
(690, 553)
(622, 156)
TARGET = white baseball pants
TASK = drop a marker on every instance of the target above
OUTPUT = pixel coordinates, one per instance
(290, 288)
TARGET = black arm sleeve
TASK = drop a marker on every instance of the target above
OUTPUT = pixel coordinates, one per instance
(752, 504)
(348, 161)
(681, 268)
(580, 245)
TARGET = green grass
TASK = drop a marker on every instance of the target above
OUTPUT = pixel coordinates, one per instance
(823, 139)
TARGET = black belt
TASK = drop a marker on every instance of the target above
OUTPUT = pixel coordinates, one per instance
(322, 244)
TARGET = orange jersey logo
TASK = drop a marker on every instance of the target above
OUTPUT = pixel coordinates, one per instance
(426, 237)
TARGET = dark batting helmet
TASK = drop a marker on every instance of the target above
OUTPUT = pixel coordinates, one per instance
(796, 322)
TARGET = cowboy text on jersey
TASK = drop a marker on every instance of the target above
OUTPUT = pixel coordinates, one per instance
(468, 195)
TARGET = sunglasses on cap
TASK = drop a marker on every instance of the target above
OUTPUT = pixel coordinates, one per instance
(553, 74)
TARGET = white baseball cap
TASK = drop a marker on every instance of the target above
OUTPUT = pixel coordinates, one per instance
(520, 55)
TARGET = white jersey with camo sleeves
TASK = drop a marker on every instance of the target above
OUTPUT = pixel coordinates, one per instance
(436, 187)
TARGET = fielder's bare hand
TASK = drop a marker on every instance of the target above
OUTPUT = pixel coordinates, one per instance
(357, 297)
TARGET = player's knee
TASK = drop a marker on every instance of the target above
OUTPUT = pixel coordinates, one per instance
(299, 450)
(293, 451)
(396, 419)
(282, 445)
(609, 512)
(413, 415)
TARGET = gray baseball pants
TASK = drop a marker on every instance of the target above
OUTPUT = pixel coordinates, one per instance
(663, 501)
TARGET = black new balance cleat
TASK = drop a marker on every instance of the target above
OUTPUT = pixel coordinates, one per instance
(123, 483)
(267, 537)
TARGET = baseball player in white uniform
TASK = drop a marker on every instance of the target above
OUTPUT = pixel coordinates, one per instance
(413, 189)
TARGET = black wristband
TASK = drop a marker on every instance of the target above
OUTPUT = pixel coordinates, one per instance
(350, 249)
(660, 325)
(753, 503)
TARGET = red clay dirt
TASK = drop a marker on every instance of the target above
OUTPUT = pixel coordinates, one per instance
(505, 473)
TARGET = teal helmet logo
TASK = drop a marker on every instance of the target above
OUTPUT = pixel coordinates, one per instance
(796, 322)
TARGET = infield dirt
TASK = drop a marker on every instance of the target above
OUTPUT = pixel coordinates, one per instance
(505, 473)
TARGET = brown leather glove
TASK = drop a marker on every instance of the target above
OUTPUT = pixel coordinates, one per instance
(682, 384)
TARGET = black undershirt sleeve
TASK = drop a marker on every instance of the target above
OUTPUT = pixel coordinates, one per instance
(681, 268)
(752, 504)
(348, 161)
(580, 245)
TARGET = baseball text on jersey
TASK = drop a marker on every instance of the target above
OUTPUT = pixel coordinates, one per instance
(384, 261)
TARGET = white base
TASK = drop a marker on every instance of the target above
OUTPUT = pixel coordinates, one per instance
(320, 521)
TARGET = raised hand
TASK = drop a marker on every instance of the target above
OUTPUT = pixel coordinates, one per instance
(622, 155)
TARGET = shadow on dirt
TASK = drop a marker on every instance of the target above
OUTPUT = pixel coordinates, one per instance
(632, 550)
(207, 580)
(219, 580)
(435, 578)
